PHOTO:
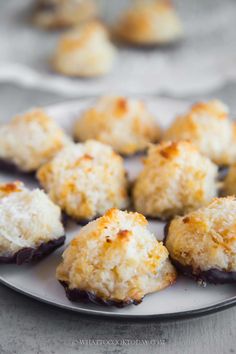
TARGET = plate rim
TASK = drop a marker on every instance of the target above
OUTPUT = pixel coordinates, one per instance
(219, 306)
(203, 311)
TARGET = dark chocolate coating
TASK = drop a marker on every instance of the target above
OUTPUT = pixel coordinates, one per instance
(139, 153)
(214, 276)
(148, 47)
(10, 167)
(77, 295)
(223, 170)
(33, 255)
(84, 222)
(166, 230)
(46, 7)
(66, 218)
(157, 218)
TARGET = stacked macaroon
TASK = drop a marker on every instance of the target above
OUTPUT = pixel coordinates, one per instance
(115, 259)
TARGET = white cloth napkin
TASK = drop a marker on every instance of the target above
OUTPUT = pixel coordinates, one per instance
(203, 61)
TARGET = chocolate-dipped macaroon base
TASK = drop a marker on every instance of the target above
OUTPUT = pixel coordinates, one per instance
(213, 276)
(77, 295)
(32, 255)
(10, 167)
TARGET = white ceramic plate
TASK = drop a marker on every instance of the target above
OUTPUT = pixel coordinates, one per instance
(183, 299)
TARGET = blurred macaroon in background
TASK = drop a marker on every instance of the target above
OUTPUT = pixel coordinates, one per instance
(177, 47)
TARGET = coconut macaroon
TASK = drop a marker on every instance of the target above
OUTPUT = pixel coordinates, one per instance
(29, 140)
(52, 14)
(115, 260)
(208, 127)
(125, 124)
(86, 180)
(84, 51)
(176, 179)
(30, 224)
(149, 23)
(202, 243)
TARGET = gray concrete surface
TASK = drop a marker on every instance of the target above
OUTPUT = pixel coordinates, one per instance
(28, 326)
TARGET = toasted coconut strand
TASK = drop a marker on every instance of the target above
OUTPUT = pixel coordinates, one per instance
(31, 255)
(77, 295)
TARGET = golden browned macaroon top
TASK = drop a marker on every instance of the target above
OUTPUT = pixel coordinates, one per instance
(208, 127)
(206, 238)
(148, 23)
(181, 180)
(116, 258)
(86, 180)
(73, 40)
(84, 51)
(31, 139)
(124, 123)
